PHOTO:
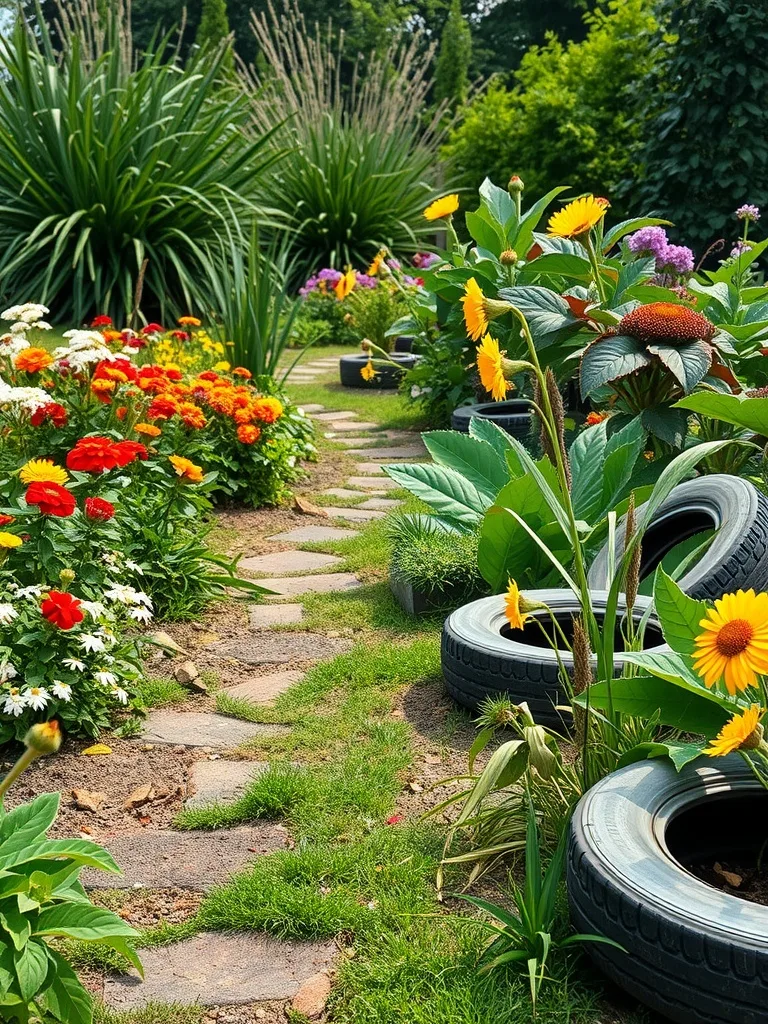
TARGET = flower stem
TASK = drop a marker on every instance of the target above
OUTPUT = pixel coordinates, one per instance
(595, 268)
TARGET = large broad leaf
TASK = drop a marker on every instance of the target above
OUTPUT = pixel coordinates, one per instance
(624, 227)
(499, 203)
(444, 490)
(645, 697)
(560, 264)
(679, 614)
(621, 454)
(75, 921)
(680, 754)
(476, 460)
(65, 997)
(486, 430)
(31, 965)
(545, 311)
(609, 359)
(586, 455)
(688, 363)
(530, 220)
(80, 851)
(489, 236)
(677, 670)
(750, 413)
(29, 821)
(666, 423)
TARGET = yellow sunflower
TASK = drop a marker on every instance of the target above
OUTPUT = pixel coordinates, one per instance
(442, 207)
(742, 732)
(514, 607)
(734, 643)
(345, 284)
(368, 372)
(490, 365)
(475, 317)
(43, 471)
(577, 217)
(376, 263)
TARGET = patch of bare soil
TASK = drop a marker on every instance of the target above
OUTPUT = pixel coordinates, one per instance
(109, 780)
(263, 1013)
(145, 908)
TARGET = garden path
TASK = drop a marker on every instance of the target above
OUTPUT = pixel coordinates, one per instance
(229, 970)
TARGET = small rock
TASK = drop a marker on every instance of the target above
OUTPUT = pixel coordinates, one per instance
(186, 672)
(728, 876)
(415, 787)
(166, 642)
(259, 1014)
(87, 800)
(148, 746)
(312, 997)
(140, 796)
(308, 508)
(432, 759)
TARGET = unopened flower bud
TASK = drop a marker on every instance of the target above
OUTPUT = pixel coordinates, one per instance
(44, 738)
(67, 576)
(515, 184)
(348, 318)
(508, 258)
(365, 345)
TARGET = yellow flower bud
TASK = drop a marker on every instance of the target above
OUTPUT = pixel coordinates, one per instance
(508, 258)
(67, 576)
(44, 738)
(515, 184)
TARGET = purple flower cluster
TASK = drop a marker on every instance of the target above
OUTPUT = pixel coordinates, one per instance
(322, 281)
(739, 248)
(670, 259)
(364, 281)
(424, 260)
(748, 212)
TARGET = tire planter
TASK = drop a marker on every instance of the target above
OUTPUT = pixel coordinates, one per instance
(736, 559)
(482, 657)
(404, 343)
(387, 376)
(513, 416)
(695, 954)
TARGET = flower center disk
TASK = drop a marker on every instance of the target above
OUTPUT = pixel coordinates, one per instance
(734, 637)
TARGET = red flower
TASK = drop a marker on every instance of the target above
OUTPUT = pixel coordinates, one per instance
(99, 509)
(61, 609)
(51, 412)
(121, 412)
(153, 329)
(102, 320)
(6, 520)
(180, 335)
(119, 370)
(208, 375)
(52, 499)
(93, 455)
(395, 819)
(128, 451)
(172, 374)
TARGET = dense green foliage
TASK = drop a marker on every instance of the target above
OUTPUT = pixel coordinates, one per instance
(707, 146)
(452, 68)
(568, 116)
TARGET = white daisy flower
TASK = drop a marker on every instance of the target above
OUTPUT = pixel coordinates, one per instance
(105, 678)
(120, 592)
(141, 614)
(134, 567)
(93, 608)
(36, 697)
(7, 614)
(7, 671)
(74, 664)
(120, 694)
(32, 592)
(14, 703)
(61, 690)
(92, 643)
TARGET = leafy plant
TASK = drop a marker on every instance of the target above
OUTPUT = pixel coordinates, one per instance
(527, 936)
(433, 559)
(374, 311)
(108, 165)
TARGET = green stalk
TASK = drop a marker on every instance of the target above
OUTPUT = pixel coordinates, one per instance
(587, 242)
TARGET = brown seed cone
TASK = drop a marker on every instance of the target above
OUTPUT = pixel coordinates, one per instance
(544, 441)
(632, 583)
(558, 411)
(582, 658)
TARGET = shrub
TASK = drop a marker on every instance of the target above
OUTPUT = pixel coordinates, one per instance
(107, 165)
(374, 311)
(568, 116)
(434, 560)
(361, 160)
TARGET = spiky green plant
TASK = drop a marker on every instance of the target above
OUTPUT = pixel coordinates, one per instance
(111, 160)
(363, 158)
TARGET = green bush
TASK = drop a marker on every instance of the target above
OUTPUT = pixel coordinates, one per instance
(106, 165)
(568, 116)
(374, 311)
(434, 560)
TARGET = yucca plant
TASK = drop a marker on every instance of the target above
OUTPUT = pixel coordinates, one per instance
(110, 161)
(363, 158)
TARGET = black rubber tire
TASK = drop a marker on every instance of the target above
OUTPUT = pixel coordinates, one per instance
(737, 558)
(513, 416)
(695, 954)
(478, 661)
(404, 343)
(387, 377)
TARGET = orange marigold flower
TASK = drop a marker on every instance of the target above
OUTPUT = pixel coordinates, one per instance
(593, 418)
(248, 434)
(267, 409)
(121, 412)
(189, 321)
(148, 429)
(32, 360)
(192, 415)
(666, 322)
(186, 469)
(162, 407)
(242, 415)
(241, 371)
(101, 386)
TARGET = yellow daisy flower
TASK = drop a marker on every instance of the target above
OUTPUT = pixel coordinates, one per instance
(578, 217)
(368, 372)
(475, 317)
(742, 732)
(514, 607)
(43, 471)
(9, 540)
(376, 263)
(345, 284)
(444, 207)
(490, 365)
(734, 643)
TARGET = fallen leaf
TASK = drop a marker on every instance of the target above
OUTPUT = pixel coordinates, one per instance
(97, 749)
(415, 787)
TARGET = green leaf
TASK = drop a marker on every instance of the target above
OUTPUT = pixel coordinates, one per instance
(31, 965)
(486, 235)
(476, 460)
(587, 454)
(646, 696)
(688, 363)
(76, 921)
(680, 615)
(28, 822)
(666, 423)
(749, 413)
(561, 264)
(508, 761)
(81, 851)
(609, 359)
(498, 202)
(676, 669)
(625, 227)
(486, 430)
(545, 310)
(445, 491)
(65, 997)
(523, 240)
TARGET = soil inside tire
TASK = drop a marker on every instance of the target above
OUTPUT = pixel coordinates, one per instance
(724, 843)
(541, 632)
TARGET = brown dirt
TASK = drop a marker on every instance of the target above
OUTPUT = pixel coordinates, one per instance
(145, 909)
(737, 877)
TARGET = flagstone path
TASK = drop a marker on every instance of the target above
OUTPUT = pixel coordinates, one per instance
(219, 969)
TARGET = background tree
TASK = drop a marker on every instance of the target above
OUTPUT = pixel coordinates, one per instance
(453, 59)
(706, 148)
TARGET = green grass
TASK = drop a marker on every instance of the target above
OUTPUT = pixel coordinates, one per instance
(154, 1013)
(159, 693)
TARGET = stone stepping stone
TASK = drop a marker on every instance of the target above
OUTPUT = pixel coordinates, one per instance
(355, 442)
(345, 425)
(387, 454)
(264, 689)
(352, 515)
(369, 469)
(221, 782)
(311, 407)
(379, 503)
(312, 534)
(331, 416)
(186, 860)
(342, 492)
(265, 616)
(289, 585)
(368, 483)
(280, 648)
(198, 729)
(288, 561)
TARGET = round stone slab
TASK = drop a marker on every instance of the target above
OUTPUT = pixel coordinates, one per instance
(220, 969)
